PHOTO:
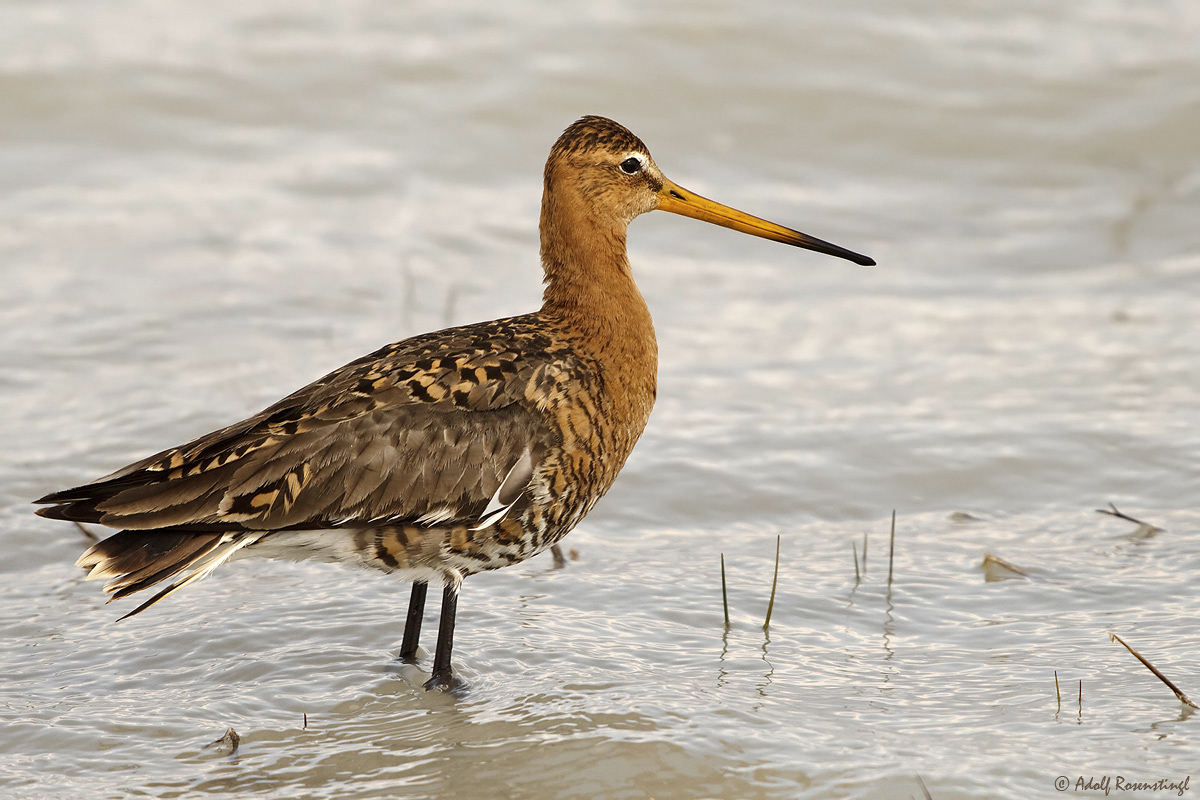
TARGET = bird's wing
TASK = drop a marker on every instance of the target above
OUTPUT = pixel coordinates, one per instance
(436, 429)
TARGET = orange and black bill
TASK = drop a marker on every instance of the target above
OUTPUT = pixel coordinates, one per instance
(674, 198)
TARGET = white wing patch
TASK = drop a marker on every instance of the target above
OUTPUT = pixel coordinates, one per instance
(511, 489)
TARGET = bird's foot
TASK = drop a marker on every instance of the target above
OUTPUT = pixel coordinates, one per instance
(444, 682)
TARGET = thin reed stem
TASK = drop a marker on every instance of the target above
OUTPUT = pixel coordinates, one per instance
(774, 583)
(724, 592)
(892, 550)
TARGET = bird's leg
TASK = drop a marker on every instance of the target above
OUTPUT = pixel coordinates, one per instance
(412, 625)
(442, 677)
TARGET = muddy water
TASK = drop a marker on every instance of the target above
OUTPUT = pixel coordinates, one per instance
(205, 207)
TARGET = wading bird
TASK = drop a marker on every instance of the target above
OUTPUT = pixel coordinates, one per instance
(442, 455)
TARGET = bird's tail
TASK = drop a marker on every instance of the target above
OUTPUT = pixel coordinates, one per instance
(134, 560)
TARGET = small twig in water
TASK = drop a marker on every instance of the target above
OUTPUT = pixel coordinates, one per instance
(1113, 511)
(857, 576)
(924, 788)
(1183, 698)
(724, 593)
(774, 583)
(1057, 691)
(1143, 527)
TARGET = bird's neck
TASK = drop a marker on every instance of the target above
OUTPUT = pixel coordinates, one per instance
(590, 289)
(588, 278)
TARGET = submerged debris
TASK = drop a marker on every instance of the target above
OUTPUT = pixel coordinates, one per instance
(996, 568)
(560, 561)
(227, 743)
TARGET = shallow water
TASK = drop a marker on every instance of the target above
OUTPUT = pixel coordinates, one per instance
(205, 207)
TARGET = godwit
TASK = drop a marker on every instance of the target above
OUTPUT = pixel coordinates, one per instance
(443, 455)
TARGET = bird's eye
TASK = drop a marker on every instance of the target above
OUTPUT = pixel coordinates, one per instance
(631, 165)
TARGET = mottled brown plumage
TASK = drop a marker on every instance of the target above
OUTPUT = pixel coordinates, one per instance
(442, 455)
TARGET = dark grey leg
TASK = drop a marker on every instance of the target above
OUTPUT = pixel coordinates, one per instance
(412, 625)
(442, 677)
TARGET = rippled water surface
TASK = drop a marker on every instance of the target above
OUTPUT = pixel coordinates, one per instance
(205, 206)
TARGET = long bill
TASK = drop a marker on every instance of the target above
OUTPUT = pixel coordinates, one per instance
(674, 198)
